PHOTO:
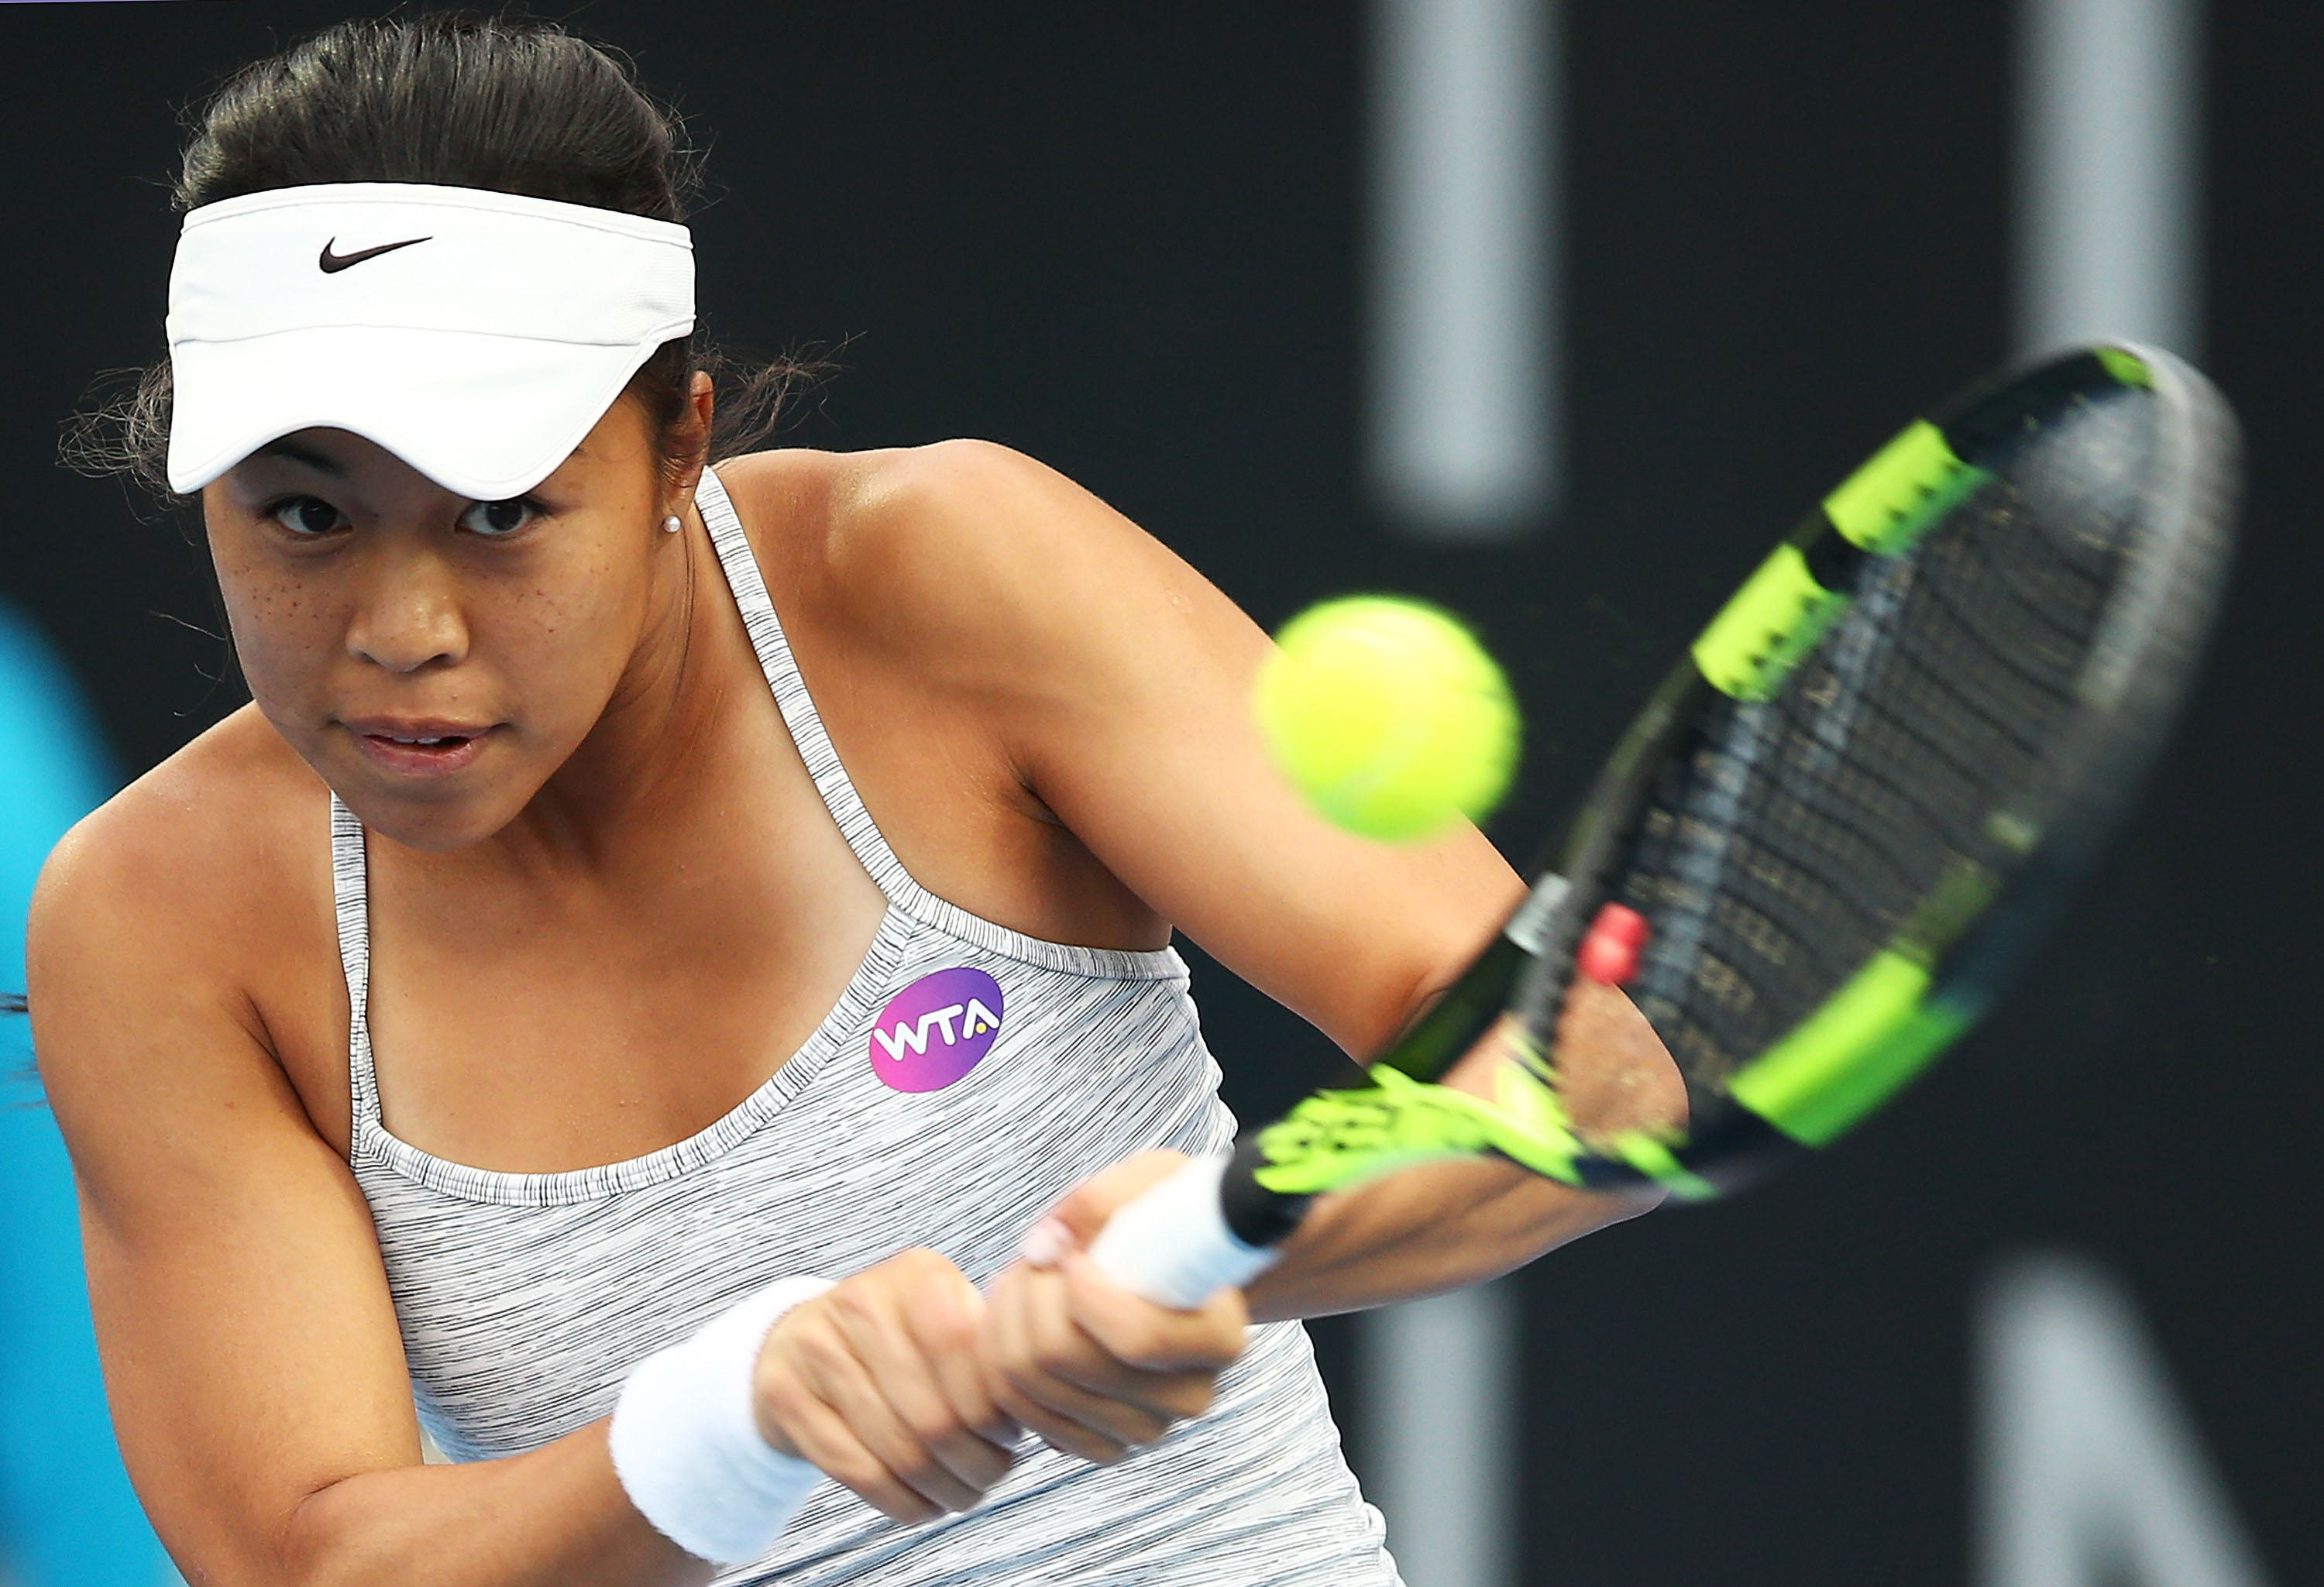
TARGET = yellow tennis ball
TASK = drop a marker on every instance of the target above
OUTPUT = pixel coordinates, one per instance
(1389, 715)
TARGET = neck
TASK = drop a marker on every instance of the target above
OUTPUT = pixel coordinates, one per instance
(659, 747)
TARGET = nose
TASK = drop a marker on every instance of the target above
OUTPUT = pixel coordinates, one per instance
(408, 614)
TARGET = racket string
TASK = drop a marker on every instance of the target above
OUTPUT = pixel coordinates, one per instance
(1800, 838)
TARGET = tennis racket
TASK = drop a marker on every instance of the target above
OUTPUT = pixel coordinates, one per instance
(1839, 824)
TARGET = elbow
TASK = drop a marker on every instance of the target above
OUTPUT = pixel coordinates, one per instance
(1396, 1004)
(315, 1546)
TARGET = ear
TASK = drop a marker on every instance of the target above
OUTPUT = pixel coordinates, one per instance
(694, 441)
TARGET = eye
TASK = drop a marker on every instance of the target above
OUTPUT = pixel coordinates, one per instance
(494, 520)
(306, 516)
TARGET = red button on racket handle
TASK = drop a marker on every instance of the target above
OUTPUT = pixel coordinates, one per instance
(1610, 949)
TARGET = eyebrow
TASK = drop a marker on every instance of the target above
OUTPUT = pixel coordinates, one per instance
(283, 446)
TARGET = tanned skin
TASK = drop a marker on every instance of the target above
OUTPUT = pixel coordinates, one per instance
(606, 908)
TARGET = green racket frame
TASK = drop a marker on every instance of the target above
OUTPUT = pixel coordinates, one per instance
(1923, 989)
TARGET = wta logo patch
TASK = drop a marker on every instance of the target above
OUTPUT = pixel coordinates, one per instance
(935, 1030)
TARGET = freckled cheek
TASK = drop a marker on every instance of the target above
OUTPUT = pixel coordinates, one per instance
(565, 649)
(285, 634)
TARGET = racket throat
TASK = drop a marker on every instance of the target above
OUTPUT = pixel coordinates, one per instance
(1255, 1214)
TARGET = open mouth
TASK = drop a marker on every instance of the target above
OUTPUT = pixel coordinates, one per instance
(410, 750)
(435, 741)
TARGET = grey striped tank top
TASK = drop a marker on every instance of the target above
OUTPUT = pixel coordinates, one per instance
(968, 1076)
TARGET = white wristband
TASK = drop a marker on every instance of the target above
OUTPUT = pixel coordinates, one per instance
(685, 1441)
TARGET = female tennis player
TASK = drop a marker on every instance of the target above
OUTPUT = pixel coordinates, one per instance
(671, 920)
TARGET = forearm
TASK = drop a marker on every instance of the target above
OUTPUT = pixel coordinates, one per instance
(555, 1517)
(1425, 1230)
(1441, 1225)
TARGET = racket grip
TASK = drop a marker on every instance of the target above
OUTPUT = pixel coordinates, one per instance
(1172, 1244)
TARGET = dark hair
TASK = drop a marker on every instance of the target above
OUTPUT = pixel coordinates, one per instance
(458, 99)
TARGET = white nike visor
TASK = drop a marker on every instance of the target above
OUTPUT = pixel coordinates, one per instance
(478, 335)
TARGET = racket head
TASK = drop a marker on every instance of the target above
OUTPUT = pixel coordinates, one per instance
(1850, 813)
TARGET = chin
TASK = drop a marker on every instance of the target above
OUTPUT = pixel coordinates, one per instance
(435, 809)
(434, 829)
(433, 833)
(439, 820)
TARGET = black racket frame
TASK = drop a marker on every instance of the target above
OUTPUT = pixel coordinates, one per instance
(2156, 622)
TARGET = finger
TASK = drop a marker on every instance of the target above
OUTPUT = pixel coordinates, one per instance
(1134, 1331)
(1115, 1421)
(824, 1439)
(840, 1380)
(1009, 1360)
(1138, 1410)
(1073, 1372)
(950, 1332)
(1069, 1373)
(900, 1350)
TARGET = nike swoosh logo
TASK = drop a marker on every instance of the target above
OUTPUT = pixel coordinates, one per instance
(333, 263)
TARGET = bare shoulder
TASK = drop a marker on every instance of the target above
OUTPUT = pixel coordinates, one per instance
(925, 517)
(197, 835)
(954, 554)
(180, 888)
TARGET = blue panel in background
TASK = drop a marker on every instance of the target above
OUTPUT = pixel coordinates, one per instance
(67, 1518)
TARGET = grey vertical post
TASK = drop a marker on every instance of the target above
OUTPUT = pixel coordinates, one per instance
(1441, 1448)
(2109, 160)
(1463, 444)
(1463, 440)
(2090, 1470)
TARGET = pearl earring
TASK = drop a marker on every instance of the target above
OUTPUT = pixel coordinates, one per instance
(670, 525)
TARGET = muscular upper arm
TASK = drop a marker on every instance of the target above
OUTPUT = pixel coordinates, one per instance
(1119, 680)
(250, 1347)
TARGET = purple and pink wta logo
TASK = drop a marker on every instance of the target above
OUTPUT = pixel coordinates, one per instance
(935, 1030)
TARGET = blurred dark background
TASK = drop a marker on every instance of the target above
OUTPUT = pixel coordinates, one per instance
(1128, 240)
